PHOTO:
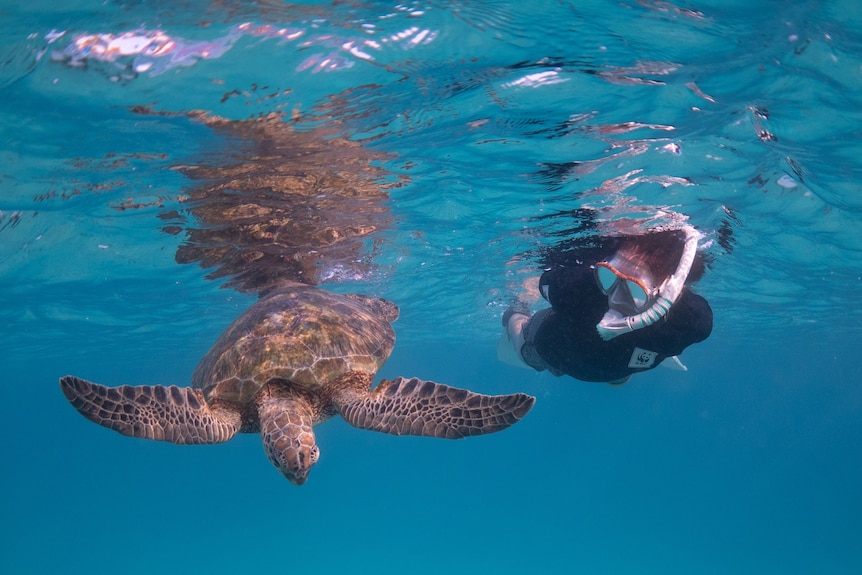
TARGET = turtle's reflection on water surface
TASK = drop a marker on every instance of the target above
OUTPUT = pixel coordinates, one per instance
(289, 204)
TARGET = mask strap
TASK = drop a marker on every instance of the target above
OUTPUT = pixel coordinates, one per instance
(614, 324)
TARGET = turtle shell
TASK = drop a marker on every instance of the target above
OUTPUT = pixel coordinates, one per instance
(301, 335)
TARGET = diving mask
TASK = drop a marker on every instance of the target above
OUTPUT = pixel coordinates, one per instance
(626, 293)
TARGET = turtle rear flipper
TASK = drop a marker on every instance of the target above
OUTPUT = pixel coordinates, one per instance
(416, 407)
(164, 413)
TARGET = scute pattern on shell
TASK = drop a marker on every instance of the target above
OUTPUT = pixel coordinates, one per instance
(301, 335)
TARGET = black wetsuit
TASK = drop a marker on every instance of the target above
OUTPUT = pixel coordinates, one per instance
(567, 342)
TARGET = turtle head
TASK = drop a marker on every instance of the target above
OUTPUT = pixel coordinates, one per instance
(288, 437)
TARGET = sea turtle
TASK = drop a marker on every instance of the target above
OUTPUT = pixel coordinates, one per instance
(294, 359)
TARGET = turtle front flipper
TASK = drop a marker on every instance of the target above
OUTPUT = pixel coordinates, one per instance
(417, 407)
(175, 414)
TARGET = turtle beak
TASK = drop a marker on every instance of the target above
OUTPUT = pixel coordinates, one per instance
(298, 463)
(296, 460)
(298, 478)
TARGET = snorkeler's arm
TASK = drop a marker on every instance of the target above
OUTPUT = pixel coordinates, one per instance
(689, 321)
(699, 316)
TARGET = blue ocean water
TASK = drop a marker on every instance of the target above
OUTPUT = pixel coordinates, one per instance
(494, 125)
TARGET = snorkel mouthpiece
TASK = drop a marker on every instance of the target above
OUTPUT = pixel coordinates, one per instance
(614, 324)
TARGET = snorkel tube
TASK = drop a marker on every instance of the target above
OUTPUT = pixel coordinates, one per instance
(614, 324)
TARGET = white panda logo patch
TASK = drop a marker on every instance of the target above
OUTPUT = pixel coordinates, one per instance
(642, 358)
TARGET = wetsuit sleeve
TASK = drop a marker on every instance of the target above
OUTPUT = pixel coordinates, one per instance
(702, 316)
(689, 321)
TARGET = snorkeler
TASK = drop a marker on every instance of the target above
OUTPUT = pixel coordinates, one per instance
(618, 307)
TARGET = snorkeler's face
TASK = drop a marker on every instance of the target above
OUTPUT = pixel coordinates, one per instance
(626, 295)
(620, 299)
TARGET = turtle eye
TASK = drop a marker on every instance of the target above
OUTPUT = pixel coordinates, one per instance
(315, 454)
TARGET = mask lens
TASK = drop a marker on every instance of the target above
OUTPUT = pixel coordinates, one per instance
(639, 296)
(606, 278)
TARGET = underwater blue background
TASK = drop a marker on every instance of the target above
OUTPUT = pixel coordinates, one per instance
(502, 119)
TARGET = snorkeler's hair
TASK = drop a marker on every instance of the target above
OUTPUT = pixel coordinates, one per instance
(659, 252)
